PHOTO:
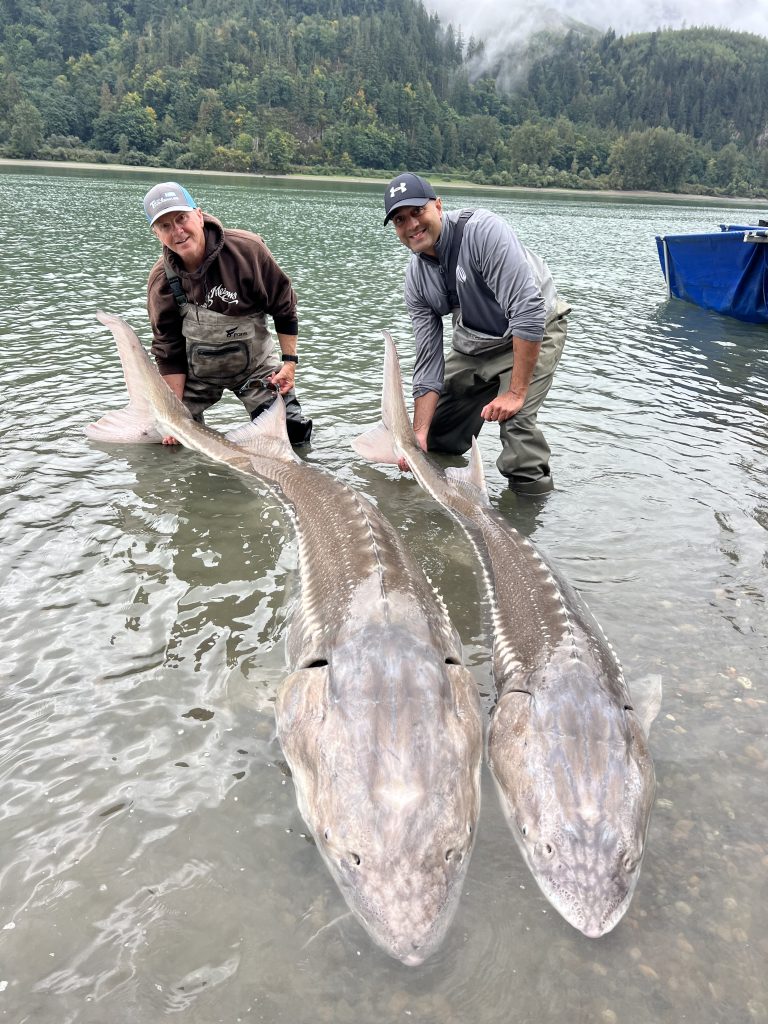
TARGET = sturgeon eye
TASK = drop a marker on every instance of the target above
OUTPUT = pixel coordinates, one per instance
(524, 830)
(355, 858)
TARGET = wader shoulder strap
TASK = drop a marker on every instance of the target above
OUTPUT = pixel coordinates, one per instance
(175, 283)
(452, 257)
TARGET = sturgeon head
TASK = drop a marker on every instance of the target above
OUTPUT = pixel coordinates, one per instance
(385, 746)
(576, 782)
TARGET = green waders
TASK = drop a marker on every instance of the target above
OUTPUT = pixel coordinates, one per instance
(472, 381)
(234, 353)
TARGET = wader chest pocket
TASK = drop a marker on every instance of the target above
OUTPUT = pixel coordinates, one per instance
(219, 364)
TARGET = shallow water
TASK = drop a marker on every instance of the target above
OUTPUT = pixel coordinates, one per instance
(153, 860)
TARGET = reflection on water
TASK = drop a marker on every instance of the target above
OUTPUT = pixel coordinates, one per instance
(154, 862)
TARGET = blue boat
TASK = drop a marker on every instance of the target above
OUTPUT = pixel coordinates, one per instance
(725, 270)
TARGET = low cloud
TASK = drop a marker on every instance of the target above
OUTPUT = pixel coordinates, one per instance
(494, 23)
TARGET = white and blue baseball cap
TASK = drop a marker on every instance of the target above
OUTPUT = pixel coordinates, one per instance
(167, 197)
(406, 190)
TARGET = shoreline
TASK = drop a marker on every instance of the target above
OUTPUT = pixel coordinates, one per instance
(378, 182)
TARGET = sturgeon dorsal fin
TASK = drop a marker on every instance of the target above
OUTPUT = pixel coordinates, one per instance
(266, 435)
(471, 479)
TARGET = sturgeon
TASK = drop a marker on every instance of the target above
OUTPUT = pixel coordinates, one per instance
(567, 746)
(379, 721)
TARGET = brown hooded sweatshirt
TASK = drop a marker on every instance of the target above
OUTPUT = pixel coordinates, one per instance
(238, 276)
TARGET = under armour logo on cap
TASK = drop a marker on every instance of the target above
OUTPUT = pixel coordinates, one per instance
(407, 190)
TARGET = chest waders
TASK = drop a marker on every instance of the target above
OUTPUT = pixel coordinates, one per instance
(232, 353)
(477, 369)
(466, 340)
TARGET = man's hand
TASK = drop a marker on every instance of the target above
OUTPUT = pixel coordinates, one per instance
(503, 407)
(283, 380)
(421, 437)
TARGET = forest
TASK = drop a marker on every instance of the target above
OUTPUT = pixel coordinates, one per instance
(371, 87)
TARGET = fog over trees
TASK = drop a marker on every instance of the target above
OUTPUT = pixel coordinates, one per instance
(374, 86)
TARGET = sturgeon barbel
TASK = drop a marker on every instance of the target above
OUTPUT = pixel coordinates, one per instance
(566, 743)
(379, 721)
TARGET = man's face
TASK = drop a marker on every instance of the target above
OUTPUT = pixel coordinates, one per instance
(418, 227)
(182, 231)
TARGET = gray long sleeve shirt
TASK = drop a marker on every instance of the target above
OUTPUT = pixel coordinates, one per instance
(504, 289)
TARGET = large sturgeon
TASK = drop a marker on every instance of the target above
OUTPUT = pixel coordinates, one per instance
(566, 744)
(378, 720)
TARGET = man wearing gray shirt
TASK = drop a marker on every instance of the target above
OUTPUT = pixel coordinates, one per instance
(509, 328)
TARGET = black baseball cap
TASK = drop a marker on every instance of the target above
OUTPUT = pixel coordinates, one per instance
(406, 190)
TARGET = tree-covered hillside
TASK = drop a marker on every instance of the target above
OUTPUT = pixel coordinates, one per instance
(374, 86)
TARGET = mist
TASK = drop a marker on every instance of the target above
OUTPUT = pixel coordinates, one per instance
(501, 24)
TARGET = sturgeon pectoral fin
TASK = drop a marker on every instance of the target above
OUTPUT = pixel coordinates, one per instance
(375, 445)
(301, 700)
(646, 697)
(465, 690)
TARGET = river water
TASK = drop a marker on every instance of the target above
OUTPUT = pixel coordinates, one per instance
(153, 862)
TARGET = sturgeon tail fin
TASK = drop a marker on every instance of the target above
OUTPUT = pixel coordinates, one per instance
(375, 445)
(135, 423)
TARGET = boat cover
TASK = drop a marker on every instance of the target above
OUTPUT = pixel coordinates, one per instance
(718, 270)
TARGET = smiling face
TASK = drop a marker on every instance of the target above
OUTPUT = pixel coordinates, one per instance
(183, 232)
(418, 227)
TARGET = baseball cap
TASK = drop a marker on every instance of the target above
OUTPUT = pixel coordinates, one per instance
(406, 190)
(167, 197)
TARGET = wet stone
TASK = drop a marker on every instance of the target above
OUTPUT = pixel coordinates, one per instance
(648, 971)
(684, 945)
(682, 828)
(199, 714)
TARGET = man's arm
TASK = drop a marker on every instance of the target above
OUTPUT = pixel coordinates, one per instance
(423, 410)
(429, 367)
(501, 259)
(505, 406)
(168, 344)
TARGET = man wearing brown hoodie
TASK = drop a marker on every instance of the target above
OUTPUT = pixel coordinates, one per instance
(208, 297)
